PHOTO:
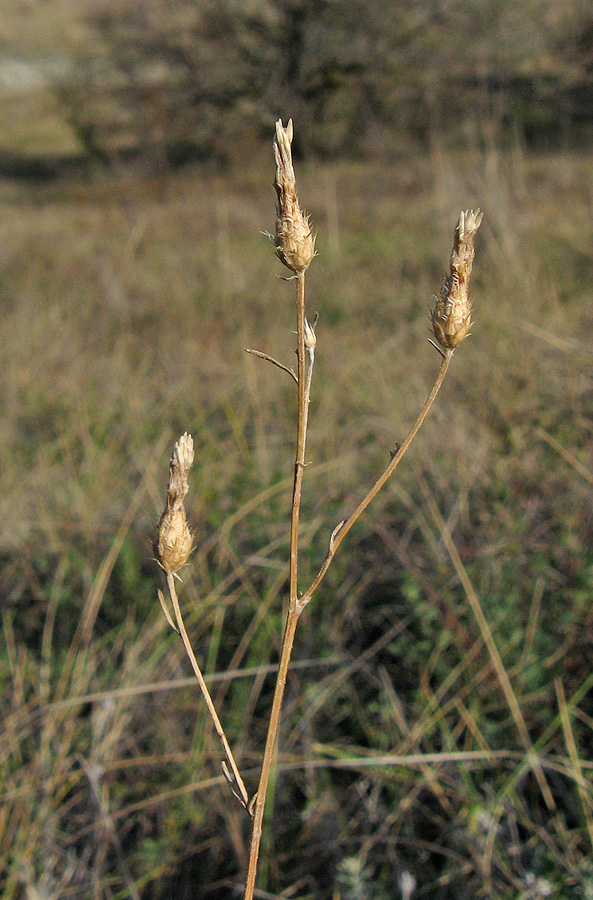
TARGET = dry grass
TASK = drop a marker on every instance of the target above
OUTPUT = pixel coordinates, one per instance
(128, 305)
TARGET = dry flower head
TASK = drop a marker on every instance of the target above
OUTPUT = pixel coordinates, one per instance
(451, 318)
(294, 242)
(174, 540)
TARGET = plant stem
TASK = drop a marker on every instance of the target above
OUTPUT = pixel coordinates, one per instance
(272, 736)
(235, 779)
(304, 386)
(343, 528)
(302, 416)
(296, 603)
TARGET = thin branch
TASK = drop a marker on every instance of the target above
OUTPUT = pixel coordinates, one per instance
(271, 359)
(436, 347)
(235, 779)
(342, 529)
(566, 455)
(302, 418)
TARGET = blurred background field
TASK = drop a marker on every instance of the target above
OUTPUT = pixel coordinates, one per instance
(136, 163)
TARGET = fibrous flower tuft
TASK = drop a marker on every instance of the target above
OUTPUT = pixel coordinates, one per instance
(451, 318)
(294, 242)
(173, 542)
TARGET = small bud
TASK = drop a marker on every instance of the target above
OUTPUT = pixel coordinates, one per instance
(174, 540)
(310, 336)
(295, 245)
(451, 318)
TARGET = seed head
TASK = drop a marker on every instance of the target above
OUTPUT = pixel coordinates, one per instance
(451, 318)
(294, 242)
(173, 542)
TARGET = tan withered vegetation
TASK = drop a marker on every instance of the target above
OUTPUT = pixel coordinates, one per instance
(395, 723)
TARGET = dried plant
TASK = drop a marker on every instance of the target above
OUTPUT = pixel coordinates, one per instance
(295, 245)
(174, 541)
(452, 315)
(173, 546)
(451, 320)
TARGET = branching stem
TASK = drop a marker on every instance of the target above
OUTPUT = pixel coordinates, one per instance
(343, 528)
(297, 604)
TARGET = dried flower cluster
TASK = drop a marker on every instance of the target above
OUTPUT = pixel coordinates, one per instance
(451, 318)
(174, 540)
(294, 242)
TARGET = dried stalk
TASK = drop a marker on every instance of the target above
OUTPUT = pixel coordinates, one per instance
(342, 529)
(173, 545)
(232, 774)
(271, 359)
(294, 611)
(451, 321)
(297, 604)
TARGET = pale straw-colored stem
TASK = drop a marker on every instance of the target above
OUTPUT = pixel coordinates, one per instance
(294, 609)
(271, 739)
(233, 775)
(343, 528)
(302, 417)
(296, 603)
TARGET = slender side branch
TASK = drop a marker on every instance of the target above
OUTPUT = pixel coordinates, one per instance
(271, 359)
(451, 321)
(343, 528)
(173, 544)
(234, 777)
